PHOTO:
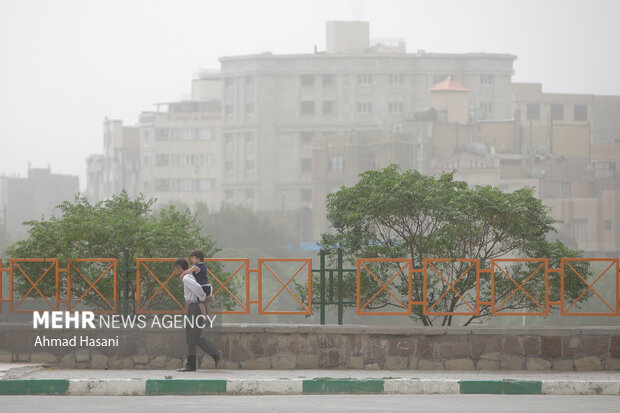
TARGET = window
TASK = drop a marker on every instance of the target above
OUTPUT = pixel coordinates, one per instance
(566, 189)
(184, 134)
(249, 194)
(205, 134)
(228, 82)
(364, 107)
(329, 80)
(396, 79)
(306, 138)
(487, 79)
(249, 108)
(306, 165)
(307, 107)
(486, 107)
(307, 80)
(161, 160)
(329, 107)
(250, 145)
(580, 228)
(364, 79)
(336, 164)
(230, 194)
(581, 113)
(607, 225)
(161, 134)
(556, 111)
(306, 144)
(205, 184)
(249, 80)
(230, 166)
(306, 195)
(162, 184)
(395, 107)
(533, 111)
(249, 165)
(228, 109)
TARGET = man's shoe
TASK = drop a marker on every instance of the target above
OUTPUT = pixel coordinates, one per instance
(190, 365)
(217, 359)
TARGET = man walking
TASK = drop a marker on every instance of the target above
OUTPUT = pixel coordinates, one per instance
(194, 294)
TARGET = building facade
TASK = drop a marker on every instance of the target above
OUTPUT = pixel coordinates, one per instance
(33, 197)
(274, 106)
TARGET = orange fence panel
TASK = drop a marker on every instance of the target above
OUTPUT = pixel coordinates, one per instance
(223, 287)
(2, 271)
(267, 264)
(404, 265)
(499, 268)
(567, 266)
(474, 307)
(33, 282)
(143, 264)
(75, 266)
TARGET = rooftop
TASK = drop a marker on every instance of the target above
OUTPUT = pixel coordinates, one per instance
(449, 85)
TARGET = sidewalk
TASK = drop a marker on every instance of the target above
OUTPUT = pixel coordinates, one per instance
(36, 379)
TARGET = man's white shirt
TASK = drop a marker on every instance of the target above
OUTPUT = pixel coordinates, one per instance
(192, 291)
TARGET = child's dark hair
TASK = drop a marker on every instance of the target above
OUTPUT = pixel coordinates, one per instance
(181, 262)
(198, 254)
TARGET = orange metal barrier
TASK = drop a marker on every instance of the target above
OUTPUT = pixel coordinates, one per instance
(14, 263)
(40, 279)
(613, 310)
(264, 263)
(495, 264)
(361, 263)
(73, 268)
(473, 307)
(142, 264)
(244, 269)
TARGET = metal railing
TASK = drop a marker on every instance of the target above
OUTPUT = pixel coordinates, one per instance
(284, 286)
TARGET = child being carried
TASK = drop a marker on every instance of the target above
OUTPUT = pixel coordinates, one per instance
(199, 271)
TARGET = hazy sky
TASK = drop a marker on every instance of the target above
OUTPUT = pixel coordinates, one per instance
(65, 65)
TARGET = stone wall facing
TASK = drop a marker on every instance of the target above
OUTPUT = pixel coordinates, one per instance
(274, 346)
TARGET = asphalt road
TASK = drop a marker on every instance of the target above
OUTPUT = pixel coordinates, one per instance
(312, 404)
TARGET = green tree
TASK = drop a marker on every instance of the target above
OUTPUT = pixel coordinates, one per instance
(389, 214)
(105, 230)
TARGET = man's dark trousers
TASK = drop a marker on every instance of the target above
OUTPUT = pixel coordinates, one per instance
(193, 334)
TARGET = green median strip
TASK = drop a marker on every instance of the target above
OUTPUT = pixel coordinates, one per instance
(154, 387)
(59, 386)
(500, 387)
(349, 386)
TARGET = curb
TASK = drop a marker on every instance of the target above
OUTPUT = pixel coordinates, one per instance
(149, 387)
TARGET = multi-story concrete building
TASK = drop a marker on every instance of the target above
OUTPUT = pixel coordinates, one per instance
(118, 168)
(540, 111)
(339, 159)
(180, 148)
(277, 133)
(575, 177)
(32, 197)
(273, 106)
(173, 155)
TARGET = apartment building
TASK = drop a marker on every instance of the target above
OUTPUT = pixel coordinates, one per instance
(32, 197)
(118, 168)
(180, 150)
(273, 106)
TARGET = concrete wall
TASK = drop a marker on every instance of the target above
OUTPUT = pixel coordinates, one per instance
(275, 346)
